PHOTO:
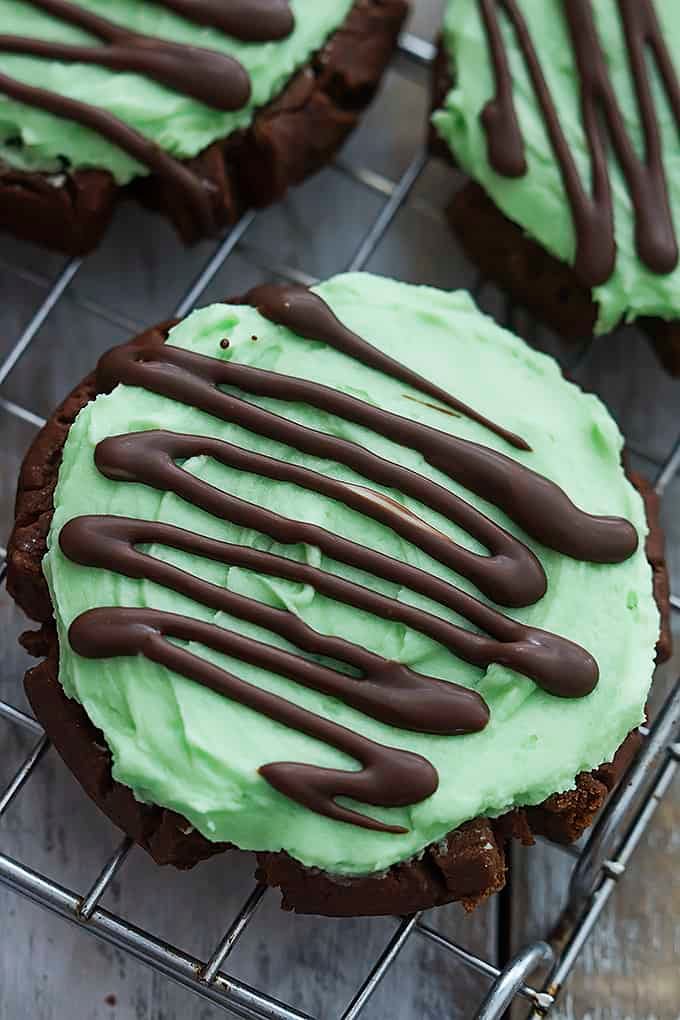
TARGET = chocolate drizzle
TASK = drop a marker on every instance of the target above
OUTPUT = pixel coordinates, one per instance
(557, 665)
(301, 311)
(511, 575)
(249, 20)
(385, 690)
(390, 777)
(535, 503)
(212, 78)
(592, 213)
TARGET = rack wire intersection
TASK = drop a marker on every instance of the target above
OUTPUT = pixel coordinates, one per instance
(598, 866)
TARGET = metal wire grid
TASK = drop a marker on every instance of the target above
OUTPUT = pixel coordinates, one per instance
(598, 866)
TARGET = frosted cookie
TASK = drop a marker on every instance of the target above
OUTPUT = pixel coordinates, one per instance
(324, 607)
(199, 108)
(565, 116)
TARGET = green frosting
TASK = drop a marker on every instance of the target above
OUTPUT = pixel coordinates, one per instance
(186, 748)
(537, 201)
(31, 139)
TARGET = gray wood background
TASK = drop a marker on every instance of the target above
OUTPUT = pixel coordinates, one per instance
(50, 971)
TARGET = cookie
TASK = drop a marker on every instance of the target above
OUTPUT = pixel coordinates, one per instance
(546, 107)
(323, 608)
(230, 109)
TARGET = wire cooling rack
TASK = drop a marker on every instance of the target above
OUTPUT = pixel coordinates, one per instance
(598, 865)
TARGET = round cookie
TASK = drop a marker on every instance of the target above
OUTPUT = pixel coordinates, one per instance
(566, 117)
(199, 109)
(300, 558)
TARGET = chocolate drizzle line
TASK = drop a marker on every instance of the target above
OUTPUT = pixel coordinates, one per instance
(557, 665)
(592, 213)
(212, 78)
(534, 503)
(304, 313)
(385, 690)
(511, 575)
(248, 20)
(390, 777)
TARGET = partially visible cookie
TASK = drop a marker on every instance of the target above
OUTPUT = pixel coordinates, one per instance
(507, 113)
(229, 114)
(237, 549)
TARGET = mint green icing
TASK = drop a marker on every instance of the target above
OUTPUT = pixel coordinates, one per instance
(186, 748)
(537, 201)
(180, 125)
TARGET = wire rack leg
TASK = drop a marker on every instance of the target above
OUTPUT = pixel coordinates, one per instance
(608, 829)
(668, 471)
(25, 722)
(388, 212)
(508, 983)
(591, 912)
(214, 264)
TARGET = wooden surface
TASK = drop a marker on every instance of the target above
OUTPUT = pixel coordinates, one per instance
(51, 971)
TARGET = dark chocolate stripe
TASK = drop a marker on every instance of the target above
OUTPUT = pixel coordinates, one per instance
(390, 777)
(303, 312)
(386, 690)
(555, 664)
(532, 501)
(222, 82)
(512, 575)
(214, 78)
(591, 206)
(211, 77)
(249, 20)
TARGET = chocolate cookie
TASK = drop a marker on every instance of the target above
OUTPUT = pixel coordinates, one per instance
(64, 162)
(466, 863)
(580, 262)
